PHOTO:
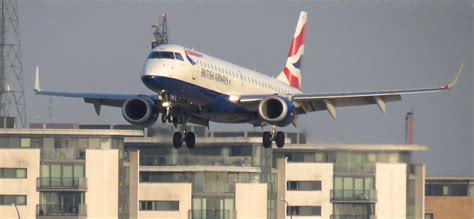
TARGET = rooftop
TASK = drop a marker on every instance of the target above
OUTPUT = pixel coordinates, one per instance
(207, 141)
(203, 142)
(354, 147)
(450, 178)
(75, 132)
(136, 136)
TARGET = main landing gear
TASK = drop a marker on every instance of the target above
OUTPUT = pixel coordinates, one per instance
(274, 135)
(180, 137)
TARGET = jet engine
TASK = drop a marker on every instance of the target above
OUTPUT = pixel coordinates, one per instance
(140, 110)
(276, 110)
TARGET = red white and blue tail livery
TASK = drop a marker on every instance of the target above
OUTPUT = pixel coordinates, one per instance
(193, 87)
(292, 72)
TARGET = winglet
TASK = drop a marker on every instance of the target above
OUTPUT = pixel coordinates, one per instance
(455, 79)
(37, 82)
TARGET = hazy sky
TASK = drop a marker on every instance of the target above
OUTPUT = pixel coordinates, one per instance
(360, 45)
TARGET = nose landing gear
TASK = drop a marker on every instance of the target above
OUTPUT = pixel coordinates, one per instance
(178, 117)
(274, 135)
(166, 103)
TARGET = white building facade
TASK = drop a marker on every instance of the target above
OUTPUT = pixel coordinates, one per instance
(108, 173)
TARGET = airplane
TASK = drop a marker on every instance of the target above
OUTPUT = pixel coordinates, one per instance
(193, 87)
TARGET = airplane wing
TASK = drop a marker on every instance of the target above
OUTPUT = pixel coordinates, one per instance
(98, 99)
(305, 103)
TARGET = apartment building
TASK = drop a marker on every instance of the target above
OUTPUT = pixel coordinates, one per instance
(109, 173)
(66, 173)
(449, 197)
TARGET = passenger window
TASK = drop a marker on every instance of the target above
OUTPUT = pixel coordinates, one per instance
(179, 56)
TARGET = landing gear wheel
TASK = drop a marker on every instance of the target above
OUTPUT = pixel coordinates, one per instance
(267, 140)
(190, 140)
(177, 140)
(163, 118)
(280, 139)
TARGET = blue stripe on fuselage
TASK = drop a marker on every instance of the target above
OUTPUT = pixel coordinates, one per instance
(209, 100)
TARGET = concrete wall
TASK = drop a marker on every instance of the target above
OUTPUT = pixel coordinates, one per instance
(311, 172)
(450, 207)
(391, 186)
(181, 192)
(281, 188)
(420, 172)
(20, 158)
(102, 183)
(251, 200)
(134, 161)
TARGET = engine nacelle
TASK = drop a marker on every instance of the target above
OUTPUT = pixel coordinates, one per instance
(276, 110)
(140, 110)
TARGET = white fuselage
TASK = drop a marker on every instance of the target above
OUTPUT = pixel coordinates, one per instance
(212, 74)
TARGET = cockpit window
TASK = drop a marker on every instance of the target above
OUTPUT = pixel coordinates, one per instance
(161, 55)
(178, 56)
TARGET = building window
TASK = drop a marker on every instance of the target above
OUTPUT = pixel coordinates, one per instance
(303, 186)
(9, 142)
(429, 216)
(12, 199)
(240, 151)
(11, 173)
(446, 190)
(303, 210)
(159, 205)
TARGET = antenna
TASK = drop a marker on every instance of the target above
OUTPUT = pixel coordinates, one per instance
(409, 122)
(50, 110)
(160, 32)
(12, 92)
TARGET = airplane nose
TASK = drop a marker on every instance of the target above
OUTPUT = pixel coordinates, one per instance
(152, 67)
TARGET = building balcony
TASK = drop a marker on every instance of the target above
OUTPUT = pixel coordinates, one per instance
(61, 183)
(352, 216)
(61, 210)
(211, 214)
(351, 196)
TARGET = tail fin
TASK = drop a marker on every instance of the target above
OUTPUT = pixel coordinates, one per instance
(292, 71)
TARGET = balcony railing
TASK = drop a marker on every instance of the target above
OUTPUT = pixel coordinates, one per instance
(61, 210)
(360, 168)
(351, 216)
(61, 183)
(190, 160)
(211, 214)
(213, 187)
(350, 195)
(63, 154)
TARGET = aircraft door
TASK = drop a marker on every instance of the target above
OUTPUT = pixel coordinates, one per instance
(195, 71)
